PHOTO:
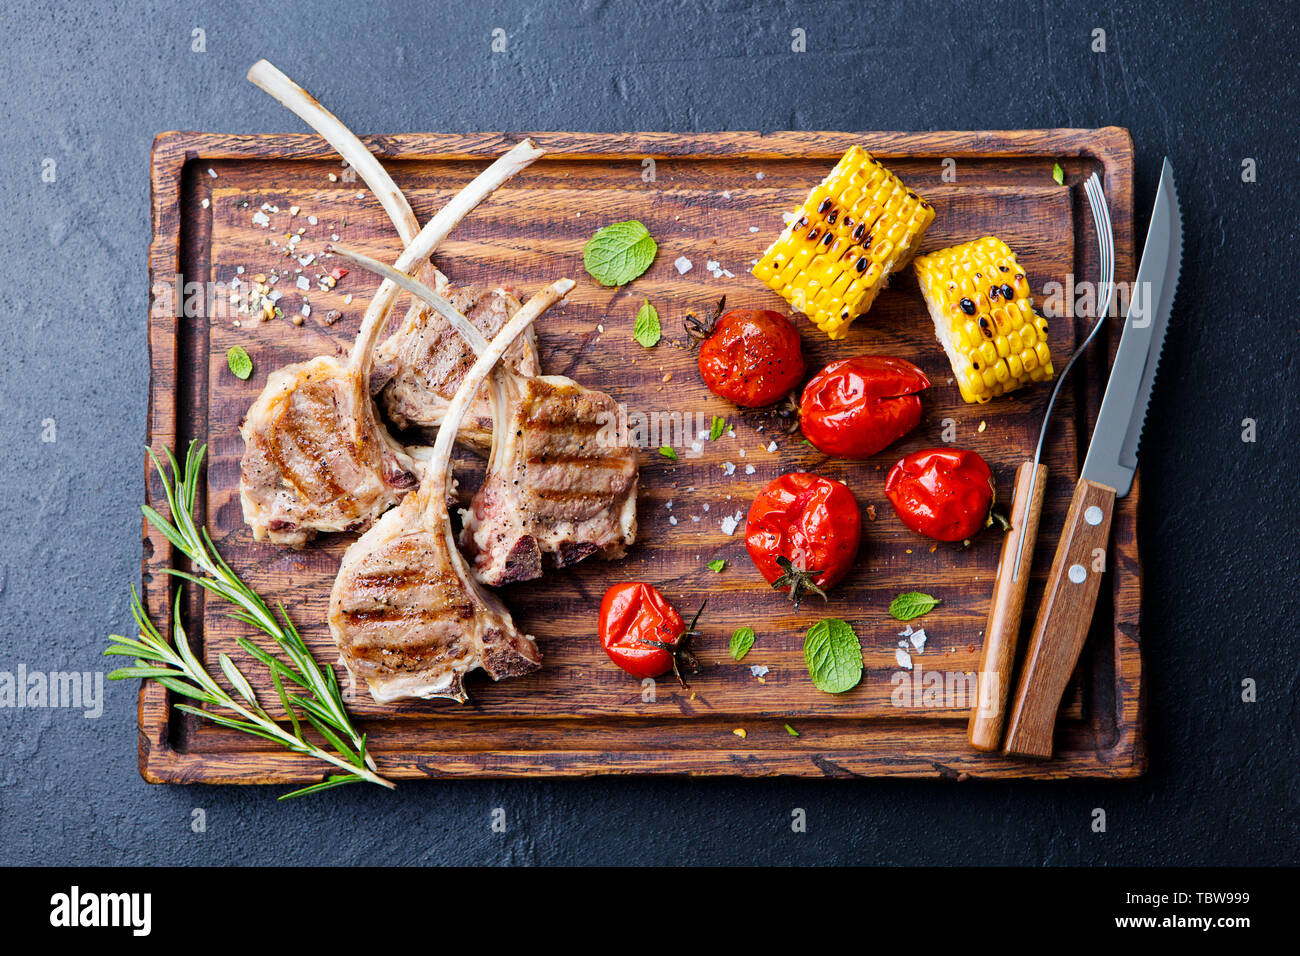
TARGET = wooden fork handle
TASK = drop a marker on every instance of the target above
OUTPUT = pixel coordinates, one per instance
(1063, 620)
(1002, 629)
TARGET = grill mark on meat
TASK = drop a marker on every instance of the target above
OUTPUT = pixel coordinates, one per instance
(425, 360)
(304, 469)
(562, 487)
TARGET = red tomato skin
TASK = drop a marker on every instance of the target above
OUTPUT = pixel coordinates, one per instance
(858, 406)
(753, 358)
(813, 521)
(942, 493)
(635, 610)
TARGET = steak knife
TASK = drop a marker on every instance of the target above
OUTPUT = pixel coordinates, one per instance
(1070, 596)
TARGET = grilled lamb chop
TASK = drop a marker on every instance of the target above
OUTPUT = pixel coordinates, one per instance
(419, 367)
(406, 613)
(562, 475)
(316, 456)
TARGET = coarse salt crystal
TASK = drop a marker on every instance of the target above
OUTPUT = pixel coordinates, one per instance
(307, 259)
(918, 641)
(683, 265)
(669, 505)
(760, 175)
(275, 296)
(772, 446)
(239, 270)
(672, 519)
(303, 282)
(728, 468)
(730, 522)
(758, 670)
(261, 219)
(749, 469)
(312, 220)
(206, 203)
(711, 264)
(697, 447)
(903, 658)
(753, 228)
(306, 309)
(212, 172)
(706, 506)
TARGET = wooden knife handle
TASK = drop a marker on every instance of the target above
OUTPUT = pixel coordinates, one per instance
(1063, 620)
(1002, 629)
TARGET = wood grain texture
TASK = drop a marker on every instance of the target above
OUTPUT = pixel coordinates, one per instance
(1064, 620)
(1002, 628)
(579, 715)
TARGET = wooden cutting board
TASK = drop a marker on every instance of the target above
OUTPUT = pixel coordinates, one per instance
(716, 199)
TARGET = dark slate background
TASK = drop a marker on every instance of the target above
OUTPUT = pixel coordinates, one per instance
(90, 86)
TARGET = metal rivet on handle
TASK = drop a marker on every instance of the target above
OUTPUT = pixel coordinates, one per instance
(1078, 574)
(1093, 515)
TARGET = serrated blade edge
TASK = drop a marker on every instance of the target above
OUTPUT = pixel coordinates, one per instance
(1112, 454)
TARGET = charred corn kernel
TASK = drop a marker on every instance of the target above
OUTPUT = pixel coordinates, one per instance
(855, 228)
(979, 299)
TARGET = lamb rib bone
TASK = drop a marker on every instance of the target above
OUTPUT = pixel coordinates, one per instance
(561, 477)
(423, 360)
(316, 456)
(407, 615)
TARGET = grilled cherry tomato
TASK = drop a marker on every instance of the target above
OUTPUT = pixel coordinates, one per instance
(803, 533)
(752, 357)
(943, 493)
(855, 407)
(642, 633)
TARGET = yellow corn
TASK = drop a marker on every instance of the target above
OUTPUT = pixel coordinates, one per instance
(979, 299)
(855, 228)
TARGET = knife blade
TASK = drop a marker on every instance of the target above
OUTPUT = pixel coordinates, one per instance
(1112, 455)
(1070, 596)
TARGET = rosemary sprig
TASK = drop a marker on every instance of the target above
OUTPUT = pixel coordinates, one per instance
(317, 697)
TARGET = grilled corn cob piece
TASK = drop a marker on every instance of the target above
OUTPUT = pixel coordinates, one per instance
(979, 299)
(854, 229)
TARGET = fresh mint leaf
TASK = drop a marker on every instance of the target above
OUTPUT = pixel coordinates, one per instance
(741, 641)
(619, 253)
(241, 366)
(716, 565)
(912, 604)
(668, 452)
(1058, 174)
(646, 331)
(717, 428)
(791, 731)
(833, 654)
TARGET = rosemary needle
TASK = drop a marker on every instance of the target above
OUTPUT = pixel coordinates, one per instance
(315, 694)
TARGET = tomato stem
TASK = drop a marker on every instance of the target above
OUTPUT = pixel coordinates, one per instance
(797, 580)
(700, 329)
(678, 650)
